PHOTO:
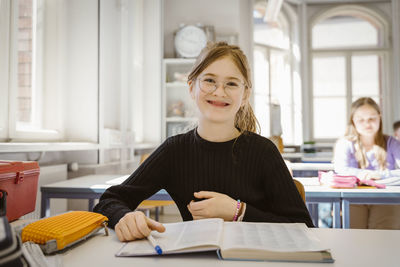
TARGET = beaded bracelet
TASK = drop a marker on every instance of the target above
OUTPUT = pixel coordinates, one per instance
(237, 211)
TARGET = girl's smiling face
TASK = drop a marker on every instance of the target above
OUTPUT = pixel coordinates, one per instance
(221, 104)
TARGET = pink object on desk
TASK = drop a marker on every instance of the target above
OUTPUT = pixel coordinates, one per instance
(340, 181)
(372, 183)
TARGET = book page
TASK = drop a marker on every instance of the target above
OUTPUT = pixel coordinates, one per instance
(178, 236)
(282, 237)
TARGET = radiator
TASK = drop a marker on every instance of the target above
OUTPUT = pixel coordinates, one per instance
(48, 175)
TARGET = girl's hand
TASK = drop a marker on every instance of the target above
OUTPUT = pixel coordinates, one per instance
(214, 205)
(135, 225)
(373, 175)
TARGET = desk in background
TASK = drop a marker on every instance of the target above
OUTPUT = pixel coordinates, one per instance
(315, 194)
(301, 166)
(89, 187)
(390, 195)
(349, 248)
(309, 169)
(318, 157)
(341, 198)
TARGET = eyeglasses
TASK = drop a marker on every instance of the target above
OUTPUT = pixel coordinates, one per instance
(209, 85)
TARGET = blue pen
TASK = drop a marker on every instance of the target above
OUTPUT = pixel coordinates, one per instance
(154, 244)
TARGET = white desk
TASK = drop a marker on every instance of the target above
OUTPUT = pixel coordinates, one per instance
(349, 248)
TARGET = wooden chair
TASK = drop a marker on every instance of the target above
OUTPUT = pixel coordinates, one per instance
(301, 190)
(147, 205)
(277, 140)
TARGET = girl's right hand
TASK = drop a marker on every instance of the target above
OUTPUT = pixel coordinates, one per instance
(135, 225)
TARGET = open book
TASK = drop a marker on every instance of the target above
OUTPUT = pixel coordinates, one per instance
(235, 241)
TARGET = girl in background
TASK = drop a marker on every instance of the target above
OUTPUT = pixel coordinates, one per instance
(234, 172)
(367, 153)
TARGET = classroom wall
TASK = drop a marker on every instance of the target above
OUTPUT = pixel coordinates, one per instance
(227, 17)
(79, 46)
(152, 50)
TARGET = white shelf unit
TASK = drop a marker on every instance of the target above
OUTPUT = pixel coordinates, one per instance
(178, 110)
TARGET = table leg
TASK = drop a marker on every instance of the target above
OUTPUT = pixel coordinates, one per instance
(147, 213)
(157, 213)
(336, 214)
(345, 214)
(44, 206)
(313, 209)
(91, 204)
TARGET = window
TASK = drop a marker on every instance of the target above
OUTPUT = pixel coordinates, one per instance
(66, 71)
(31, 111)
(261, 88)
(28, 93)
(274, 97)
(329, 96)
(348, 58)
(344, 31)
(366, 81)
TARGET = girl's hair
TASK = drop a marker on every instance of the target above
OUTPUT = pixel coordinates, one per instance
(352, 135)
(245, 120)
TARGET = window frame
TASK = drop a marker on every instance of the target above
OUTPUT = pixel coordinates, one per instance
(382, 50)
(268, 51)
(286, 18)
(12, 133)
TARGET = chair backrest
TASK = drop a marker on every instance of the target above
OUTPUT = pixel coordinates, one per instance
(301, 190)
(144, 157)
(277, 140)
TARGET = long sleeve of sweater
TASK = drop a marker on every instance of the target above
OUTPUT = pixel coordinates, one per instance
(148, 178)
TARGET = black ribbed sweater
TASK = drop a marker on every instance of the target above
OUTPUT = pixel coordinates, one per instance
(248, 168)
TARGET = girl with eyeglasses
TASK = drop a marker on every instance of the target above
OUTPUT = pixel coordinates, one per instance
(220, 169)
(367, 153)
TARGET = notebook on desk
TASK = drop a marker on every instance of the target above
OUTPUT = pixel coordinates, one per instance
(235, 241)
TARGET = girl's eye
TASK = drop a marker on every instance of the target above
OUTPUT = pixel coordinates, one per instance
(209, 80)
(232, 84)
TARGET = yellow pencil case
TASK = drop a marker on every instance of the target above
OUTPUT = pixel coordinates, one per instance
(61, 231)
